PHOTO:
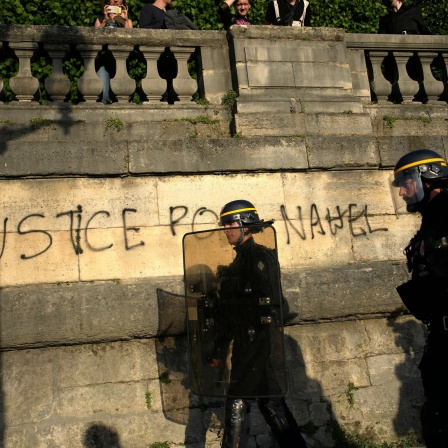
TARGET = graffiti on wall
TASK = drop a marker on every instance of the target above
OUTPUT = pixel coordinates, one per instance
(357, 219)
(79, 233)
(304, 224)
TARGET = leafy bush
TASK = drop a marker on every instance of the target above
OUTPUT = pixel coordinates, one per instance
(354, 16)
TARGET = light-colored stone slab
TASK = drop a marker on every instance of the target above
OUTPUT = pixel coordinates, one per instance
(57, 261)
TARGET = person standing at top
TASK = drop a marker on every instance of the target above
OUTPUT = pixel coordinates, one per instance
(288, 13)
(402, 19)
(109, 18)
(242, 8)
(152, 15)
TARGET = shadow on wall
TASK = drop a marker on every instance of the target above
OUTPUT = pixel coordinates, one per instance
(179, 404)
(203, 416)
(101, 436)
(410, 337)
(11, 132)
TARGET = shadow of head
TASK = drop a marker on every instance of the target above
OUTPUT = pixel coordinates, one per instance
(98, 435)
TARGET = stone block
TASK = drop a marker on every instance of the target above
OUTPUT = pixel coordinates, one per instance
(316, 249)
(139, 253)
(26, 398)
(242, 74)
(257, 125)
(38, 158)
(216, 191)
(334, 342)
(322, 75)
(361, 87)
(392, 148)
(215, 58)
(340, 151)
(86, 312)
(345, 291)
(386, 335)
(383, 368)
(212, 155)
(33, 257)
(273, 74)
(111, 398)
(108, 363)
(338, 124)
(330, 193)
(216, 85)
(335, 376)
(385, 238)
(297, 51)
(56, 198)
(357, 60)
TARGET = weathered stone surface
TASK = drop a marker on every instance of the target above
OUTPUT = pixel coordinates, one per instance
(349, 151)
(85, 312)
(100, 390)
(212, 155)
(92, 314)
(120, 36)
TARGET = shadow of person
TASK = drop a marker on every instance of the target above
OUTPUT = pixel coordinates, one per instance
(98, 435)
(305, 396)
(410, 337)
(179, 404)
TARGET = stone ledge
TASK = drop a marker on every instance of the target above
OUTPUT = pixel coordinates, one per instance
(78, 313)
(121, 36)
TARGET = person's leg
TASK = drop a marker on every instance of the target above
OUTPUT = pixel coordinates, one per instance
(282, 422)
(103, 74)
(234, 413)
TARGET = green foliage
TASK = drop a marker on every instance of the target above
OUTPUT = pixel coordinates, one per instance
(136, 66)
(229, 99)
(41, 69)
(349, 393)
(73, 68)
(9, 67)
(200, 119)
(354, 16)
(148, 399)
(159, 445)
(390, 121)
(38, 122)
(436, 16)
(344, 440)
(115, 123)
(201, 101)
(137, 69)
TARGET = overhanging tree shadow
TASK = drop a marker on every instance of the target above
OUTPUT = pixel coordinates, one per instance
(43, 68)
(99, 435)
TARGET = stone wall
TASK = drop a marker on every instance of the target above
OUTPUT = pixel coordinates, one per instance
(92, 312)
